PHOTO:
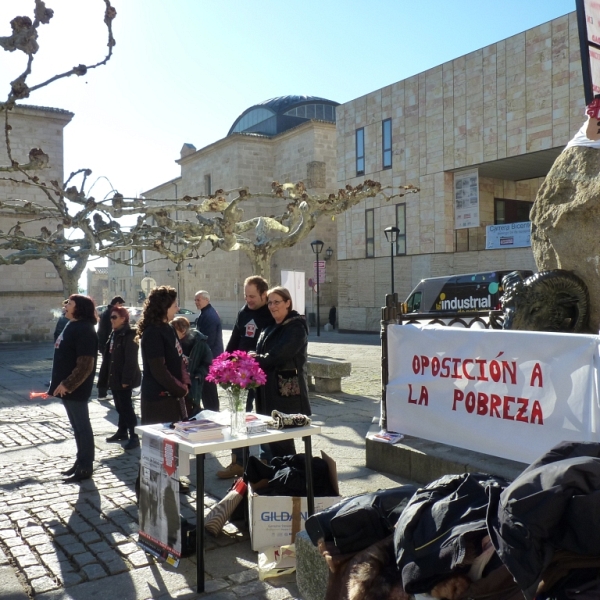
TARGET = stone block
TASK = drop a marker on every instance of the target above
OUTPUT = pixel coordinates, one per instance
(312, 573)
(328, 373)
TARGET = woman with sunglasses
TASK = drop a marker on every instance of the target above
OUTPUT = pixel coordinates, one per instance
(120, 372)
(281, 351)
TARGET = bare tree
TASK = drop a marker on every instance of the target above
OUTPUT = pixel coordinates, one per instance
(73, 227)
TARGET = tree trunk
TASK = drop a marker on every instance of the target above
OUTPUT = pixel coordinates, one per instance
(70, 277)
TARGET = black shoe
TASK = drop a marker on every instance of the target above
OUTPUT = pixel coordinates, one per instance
(70, 471)
(79, 475)
(120, 436)
(132, 444)
(184, 487)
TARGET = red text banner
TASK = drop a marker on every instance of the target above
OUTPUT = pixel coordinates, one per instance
(511, 394)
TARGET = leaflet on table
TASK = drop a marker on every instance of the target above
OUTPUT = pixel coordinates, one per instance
(224, 418)
(199, 425)
(388, 437)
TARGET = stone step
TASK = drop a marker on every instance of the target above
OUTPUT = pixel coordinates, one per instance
(423, 461)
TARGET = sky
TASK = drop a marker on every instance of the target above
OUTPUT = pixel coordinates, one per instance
(182, 71)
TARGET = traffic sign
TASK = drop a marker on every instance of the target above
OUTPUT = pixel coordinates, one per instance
(319, 266)
(148, 283)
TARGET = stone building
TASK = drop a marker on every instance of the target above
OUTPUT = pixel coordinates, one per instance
(503, 112)
(31, 294)
(97, 285)
(287, 139)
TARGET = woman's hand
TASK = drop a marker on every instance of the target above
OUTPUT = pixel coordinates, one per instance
(60, 390)
(125, 385)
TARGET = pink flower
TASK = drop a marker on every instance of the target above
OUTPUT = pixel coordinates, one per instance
(236, 370)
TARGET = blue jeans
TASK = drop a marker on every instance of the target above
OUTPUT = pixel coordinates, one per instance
(79, 417)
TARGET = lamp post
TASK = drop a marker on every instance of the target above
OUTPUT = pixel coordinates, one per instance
(391, 235)
(317, 246)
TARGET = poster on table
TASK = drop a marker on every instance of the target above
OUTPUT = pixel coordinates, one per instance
(511, 235)
(160, 524)
(511, 394)
(466, 199)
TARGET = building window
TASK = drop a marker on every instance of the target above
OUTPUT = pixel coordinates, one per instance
(401, 225)
(207, 185)
(360, 151)
(370, 233)
(511, 211)
(386, 140)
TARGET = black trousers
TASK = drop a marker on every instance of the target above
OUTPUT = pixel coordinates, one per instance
(210, 396)
(124, 406)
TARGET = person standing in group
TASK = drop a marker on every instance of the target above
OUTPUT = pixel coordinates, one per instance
(281, 352)
(62, 321)
(104, 330)
(164, 384)
(209, 323)
(120, 372)
(73, 370)
(254, 317)
(196, 355)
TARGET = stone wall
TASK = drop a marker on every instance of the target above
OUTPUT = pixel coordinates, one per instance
(305, 153)
(30, 294)
(516, 97)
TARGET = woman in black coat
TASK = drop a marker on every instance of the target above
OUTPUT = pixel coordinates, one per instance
(281, 352)
(120, 372)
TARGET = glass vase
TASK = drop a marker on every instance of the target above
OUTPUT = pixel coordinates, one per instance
(237, 410)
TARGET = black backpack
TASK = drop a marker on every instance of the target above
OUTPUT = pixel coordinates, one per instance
(356, 523)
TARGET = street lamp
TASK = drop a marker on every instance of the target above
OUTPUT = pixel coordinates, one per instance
(328, 253)
(391, 235)
(317, 246)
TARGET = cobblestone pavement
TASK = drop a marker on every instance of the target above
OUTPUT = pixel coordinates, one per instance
(79, 540)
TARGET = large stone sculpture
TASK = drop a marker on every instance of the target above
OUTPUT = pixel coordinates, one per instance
(565, 220)
(555, 300)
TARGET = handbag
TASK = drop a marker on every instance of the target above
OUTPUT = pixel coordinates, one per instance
(288, 383)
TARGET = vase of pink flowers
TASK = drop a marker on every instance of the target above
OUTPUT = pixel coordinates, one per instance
(236, 372)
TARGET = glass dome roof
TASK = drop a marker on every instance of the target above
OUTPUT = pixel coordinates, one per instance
(282, 113)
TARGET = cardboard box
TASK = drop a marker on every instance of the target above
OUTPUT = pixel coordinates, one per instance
(275, 520)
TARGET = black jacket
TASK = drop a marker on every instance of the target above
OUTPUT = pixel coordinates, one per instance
(248, 327)
(199, 360)
(440, 531)
(553, 505)
(283, 348)
(120, 367)
(209, 323)
(104, 328)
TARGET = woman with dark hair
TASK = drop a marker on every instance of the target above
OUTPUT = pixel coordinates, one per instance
(73, 369)
(197, 358)
(165, 380)
(120, 372)
(281, 351)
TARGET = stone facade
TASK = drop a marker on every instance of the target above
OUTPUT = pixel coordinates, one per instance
(97, 285)
(518, 97)
(31, 294)
(305, 153)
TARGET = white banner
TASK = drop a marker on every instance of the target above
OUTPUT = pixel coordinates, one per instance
(511, 235)
(294, 282)
(512, 394)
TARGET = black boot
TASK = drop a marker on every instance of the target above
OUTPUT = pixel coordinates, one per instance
(120, 436)
(134, 442)
(79, 475)
(70, 471)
